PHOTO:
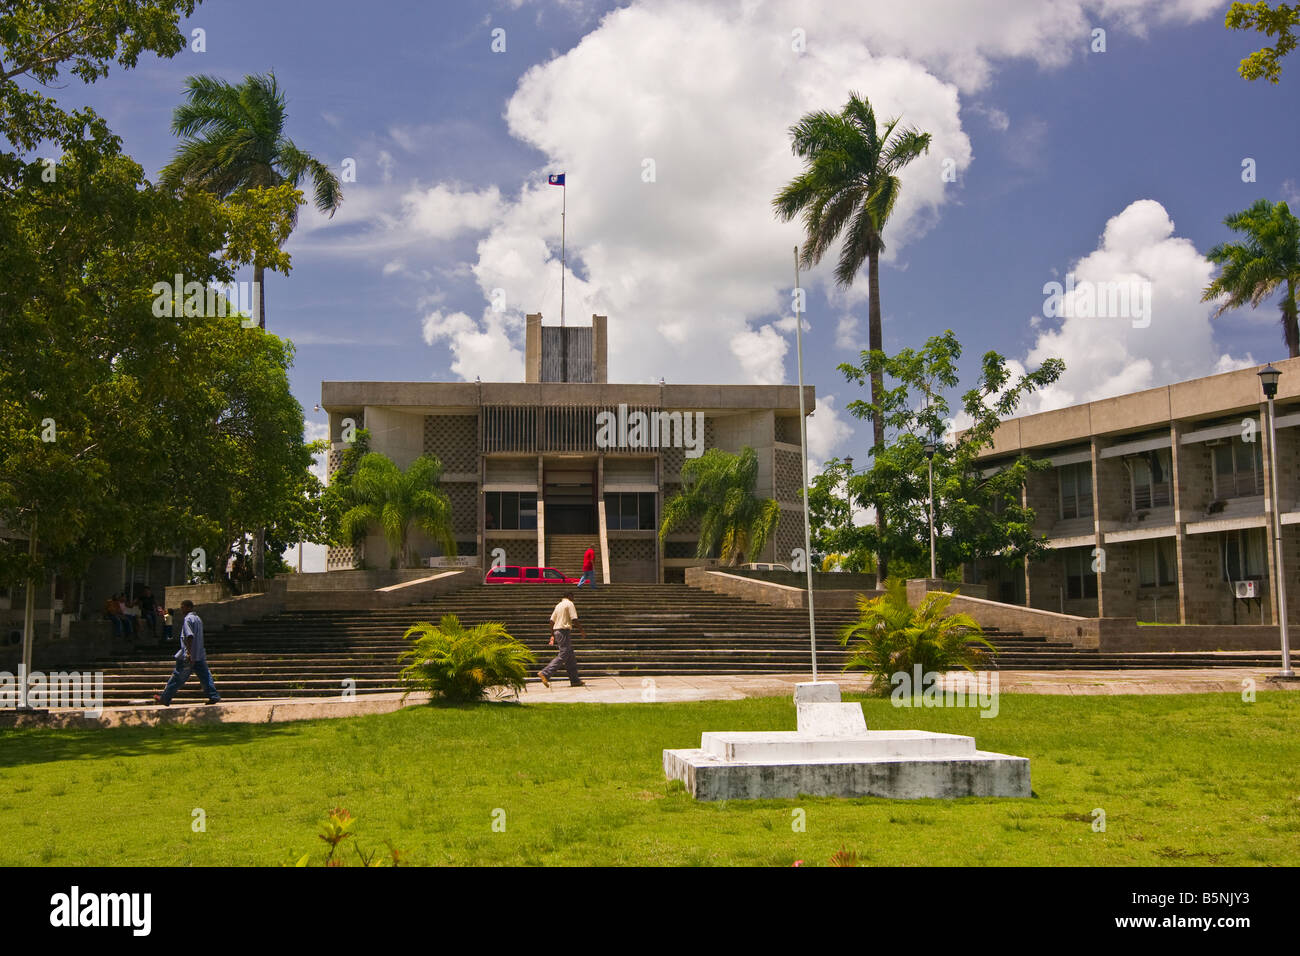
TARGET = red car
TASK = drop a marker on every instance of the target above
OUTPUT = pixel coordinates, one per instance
(513, 574)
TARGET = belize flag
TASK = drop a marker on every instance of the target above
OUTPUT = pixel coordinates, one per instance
(555, 179)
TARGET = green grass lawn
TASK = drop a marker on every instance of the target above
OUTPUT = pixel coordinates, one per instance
(1194, 779)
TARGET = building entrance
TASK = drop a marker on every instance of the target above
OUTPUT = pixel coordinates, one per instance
(570, 495)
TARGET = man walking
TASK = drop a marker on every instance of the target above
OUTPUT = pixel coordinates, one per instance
(588, 568)
(190, 659)
(563, 618)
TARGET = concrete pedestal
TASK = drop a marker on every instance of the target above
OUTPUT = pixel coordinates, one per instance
(833, 754)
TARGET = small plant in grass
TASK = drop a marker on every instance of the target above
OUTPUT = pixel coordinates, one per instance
(843, 857)
(890, 636)
(461, 664)
(336, 828)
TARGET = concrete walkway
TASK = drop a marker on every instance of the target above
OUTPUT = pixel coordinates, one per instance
(632, 690)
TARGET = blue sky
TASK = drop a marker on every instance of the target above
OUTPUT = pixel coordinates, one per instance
(452, 143)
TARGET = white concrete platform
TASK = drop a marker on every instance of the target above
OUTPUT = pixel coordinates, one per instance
(781, 746)
(832, 754)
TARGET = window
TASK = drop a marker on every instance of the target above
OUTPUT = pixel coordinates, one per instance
(1080, 578)
(1238, 469)
(551, 574)
(503, 573)
(1156, 563)
(630, 511)
(511, 510)
(1151, 480)
(532, 574)
(1243, 554)
(1076, 490)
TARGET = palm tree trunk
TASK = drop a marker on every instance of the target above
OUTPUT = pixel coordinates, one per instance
(258, 272)
(1290, 326)
(876, 341)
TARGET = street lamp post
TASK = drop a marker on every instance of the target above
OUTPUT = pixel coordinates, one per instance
(1268, 379)
(930, 449)
(848, 474)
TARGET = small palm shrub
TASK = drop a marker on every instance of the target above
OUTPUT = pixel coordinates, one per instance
(461, 664)
(890, 636)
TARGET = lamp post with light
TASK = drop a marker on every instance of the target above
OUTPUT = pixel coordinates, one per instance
(848, 500)
(930, 448)
(1268, 377)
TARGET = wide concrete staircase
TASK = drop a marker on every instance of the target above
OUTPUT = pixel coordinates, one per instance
(564, 553)
(633, 630)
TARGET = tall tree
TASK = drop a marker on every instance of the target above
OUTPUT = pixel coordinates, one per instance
(233, 140)
(1267, 261)
(40, 37)
(850, 185)
(232, 144)
(977, 516)
(718, 491)
(381, 495)
(1263, 18)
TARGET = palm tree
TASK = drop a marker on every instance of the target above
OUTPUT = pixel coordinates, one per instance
(851, 180)
(382, 494)
(1268, 260)
(718, 490)
(891, 637)
(463, 663)
(233, 140)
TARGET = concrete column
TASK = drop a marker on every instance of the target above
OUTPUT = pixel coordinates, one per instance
(1176, 480)
(599, 349)
(533, 347)
(1099, 559)
(541, 514)
(601, 527)
(1270, 512)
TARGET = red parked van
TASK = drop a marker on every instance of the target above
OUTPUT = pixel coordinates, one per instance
(513, 574)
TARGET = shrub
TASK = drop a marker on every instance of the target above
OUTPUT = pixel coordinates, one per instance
(460, 664)
(891, 637)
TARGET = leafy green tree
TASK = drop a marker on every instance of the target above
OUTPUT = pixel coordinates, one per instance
(891, 637)
(976, 515)
(1263, 18)
(233, 145)
(850, 185)
(718, 491)
(1266, 262)
(39, 38)
(460, 664)
(382, 495)
(233, 141)
(247, 460)
(98, 396)
(832, 533)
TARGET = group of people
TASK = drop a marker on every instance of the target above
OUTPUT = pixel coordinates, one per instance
(127, 614)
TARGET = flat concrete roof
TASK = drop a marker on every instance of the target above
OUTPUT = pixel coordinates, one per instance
(470, 395)
(1198, 398)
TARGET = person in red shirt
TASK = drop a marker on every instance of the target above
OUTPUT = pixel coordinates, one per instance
(588, 569)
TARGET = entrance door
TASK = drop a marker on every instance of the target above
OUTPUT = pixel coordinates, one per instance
(570, 495)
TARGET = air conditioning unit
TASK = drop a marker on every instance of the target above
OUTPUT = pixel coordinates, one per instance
(1245, 589)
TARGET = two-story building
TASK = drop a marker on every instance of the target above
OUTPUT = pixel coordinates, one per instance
(1158, 503)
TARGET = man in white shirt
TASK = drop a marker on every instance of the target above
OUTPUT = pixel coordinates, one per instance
(563, 618)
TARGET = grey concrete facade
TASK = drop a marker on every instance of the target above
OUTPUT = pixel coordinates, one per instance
(530, 472)
(1159, 503)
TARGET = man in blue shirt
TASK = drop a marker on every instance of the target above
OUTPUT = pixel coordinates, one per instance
(190, 659)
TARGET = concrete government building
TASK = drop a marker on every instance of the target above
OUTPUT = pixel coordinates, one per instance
(1170, 489)
(542, 468)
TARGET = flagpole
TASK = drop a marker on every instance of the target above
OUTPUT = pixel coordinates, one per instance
(803, 453)
(564, 200)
